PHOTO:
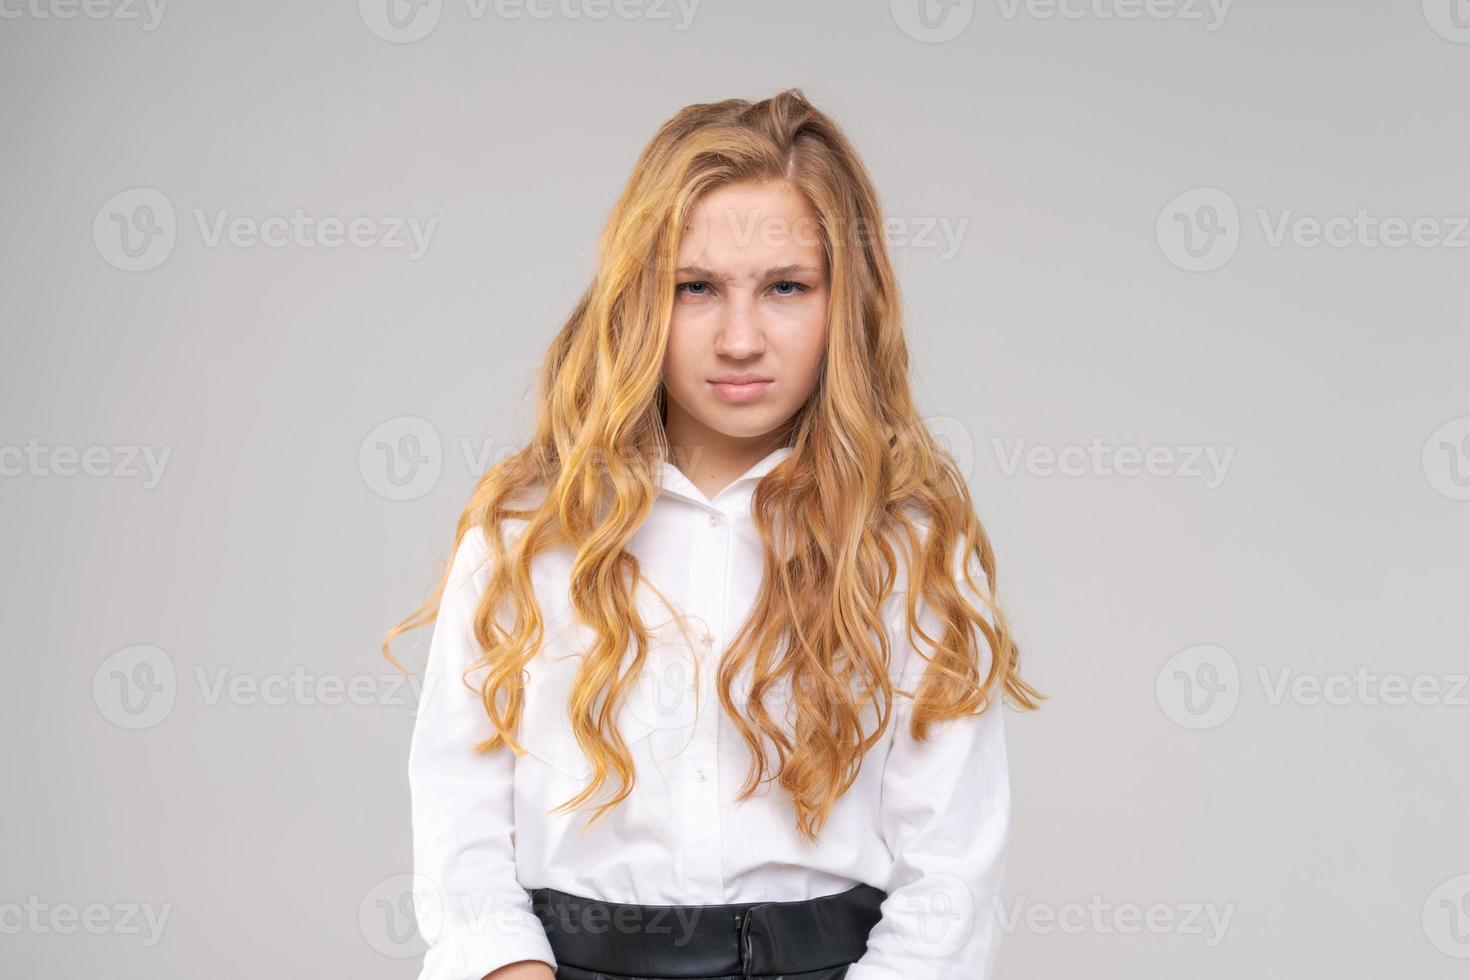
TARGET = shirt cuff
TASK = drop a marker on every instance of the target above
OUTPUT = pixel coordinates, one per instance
(466, 956)
(860, 972)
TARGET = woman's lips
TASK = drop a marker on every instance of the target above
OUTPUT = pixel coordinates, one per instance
(731, 392)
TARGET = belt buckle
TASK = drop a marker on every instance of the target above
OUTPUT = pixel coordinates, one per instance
(742, 924)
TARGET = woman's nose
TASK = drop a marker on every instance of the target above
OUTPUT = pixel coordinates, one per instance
(740, 332)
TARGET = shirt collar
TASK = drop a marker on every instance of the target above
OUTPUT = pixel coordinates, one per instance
(672, 481)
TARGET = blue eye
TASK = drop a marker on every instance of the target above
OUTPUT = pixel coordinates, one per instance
(700, 288)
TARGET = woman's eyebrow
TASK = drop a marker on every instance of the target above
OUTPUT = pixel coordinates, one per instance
(780, 270)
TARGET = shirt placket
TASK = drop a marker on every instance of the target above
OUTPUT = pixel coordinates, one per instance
(703, 858)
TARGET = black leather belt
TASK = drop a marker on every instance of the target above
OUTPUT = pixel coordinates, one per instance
(812, 939)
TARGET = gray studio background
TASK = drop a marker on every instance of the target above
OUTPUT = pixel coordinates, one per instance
(1225, 457)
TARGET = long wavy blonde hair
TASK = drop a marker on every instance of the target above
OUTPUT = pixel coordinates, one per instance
(863, 464)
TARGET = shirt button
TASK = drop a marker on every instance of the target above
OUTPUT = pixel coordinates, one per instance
(707, 640)
(714, 520)
(699, 774)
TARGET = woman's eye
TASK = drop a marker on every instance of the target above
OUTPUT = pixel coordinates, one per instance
(784, 288)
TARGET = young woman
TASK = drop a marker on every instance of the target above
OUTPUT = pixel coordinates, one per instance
(714, 687)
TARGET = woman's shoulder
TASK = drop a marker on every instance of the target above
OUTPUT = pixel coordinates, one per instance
(473, 553)
(911, 545)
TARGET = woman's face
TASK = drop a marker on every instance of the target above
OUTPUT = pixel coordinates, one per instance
(750, 303)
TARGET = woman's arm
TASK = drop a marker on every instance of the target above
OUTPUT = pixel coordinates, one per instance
(524, 970)
(473, 912)
(946, 819)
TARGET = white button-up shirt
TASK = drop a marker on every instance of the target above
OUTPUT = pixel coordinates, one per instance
(927, 822)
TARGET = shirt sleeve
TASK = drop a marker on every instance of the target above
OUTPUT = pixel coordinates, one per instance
(471, 909)
(945, 815)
